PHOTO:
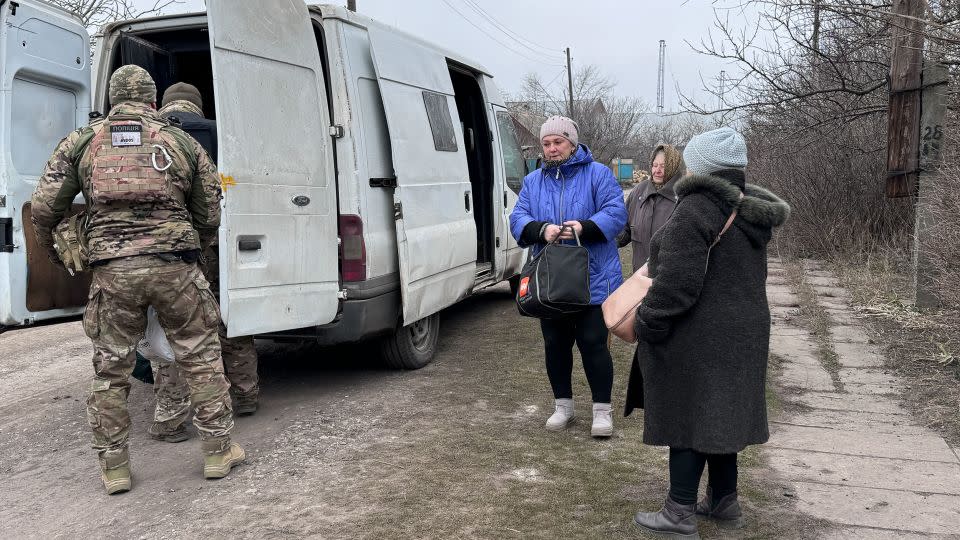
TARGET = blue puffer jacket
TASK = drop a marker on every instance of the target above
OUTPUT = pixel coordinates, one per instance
(582, 189)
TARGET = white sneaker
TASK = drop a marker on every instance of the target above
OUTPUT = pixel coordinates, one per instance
(602, 420)
(562, 416)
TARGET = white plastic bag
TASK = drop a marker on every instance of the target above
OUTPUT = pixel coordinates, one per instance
(154, 345)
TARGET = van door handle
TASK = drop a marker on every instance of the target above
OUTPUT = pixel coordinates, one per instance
(504, 199)
(466, 201)
(249, 245)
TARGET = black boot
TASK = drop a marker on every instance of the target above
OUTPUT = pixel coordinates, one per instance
(674, 520)
(726, 512)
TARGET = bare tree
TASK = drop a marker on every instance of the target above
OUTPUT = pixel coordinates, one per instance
(609, 123)
(809, 89)
(95, 13)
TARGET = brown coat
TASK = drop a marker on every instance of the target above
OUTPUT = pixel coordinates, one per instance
(647, 210)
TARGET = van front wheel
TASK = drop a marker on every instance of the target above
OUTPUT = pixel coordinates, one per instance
(412, 346)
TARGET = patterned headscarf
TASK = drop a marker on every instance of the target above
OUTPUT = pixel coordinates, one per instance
(672, 161)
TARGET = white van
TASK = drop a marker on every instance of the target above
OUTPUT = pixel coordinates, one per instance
(368, 175)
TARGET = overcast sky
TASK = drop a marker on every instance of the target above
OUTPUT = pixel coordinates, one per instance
(514, 37)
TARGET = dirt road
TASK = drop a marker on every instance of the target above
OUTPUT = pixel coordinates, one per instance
(342, 448)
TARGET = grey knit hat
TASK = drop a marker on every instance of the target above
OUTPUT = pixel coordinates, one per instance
(560, 126)
(715, 150)
(183, 91)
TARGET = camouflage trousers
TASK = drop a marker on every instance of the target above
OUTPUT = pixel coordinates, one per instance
(239, 363)
(116, 318)
(173, 397)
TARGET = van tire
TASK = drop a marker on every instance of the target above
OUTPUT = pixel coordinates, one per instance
(412, 346)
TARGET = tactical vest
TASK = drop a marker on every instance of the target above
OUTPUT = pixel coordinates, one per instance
(136, 175)
(202, 130)
(129, 163)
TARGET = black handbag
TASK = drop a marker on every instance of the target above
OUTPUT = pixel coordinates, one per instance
(556, 282)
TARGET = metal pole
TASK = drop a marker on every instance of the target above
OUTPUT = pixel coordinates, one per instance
(569, 86)
(660, 96)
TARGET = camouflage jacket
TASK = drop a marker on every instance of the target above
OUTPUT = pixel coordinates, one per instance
(180, 105)
(131, 228)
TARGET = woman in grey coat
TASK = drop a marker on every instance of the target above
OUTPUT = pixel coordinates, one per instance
(651, 202)
(704, 330)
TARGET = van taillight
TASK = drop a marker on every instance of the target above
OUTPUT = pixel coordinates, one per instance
(353, 252)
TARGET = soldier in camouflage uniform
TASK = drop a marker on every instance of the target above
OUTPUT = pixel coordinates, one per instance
(239, 353)
(153, 201)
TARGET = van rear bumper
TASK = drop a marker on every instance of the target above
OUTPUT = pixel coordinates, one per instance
(362, 319)
(372, 309)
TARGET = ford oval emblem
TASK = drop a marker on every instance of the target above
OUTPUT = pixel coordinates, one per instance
(301, 200)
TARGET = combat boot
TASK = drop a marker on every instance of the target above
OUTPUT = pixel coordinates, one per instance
(725, 512)
(244, 406)
(674, 520)
(162, 432)
(218, 464)
(115, 473)
(562, 416)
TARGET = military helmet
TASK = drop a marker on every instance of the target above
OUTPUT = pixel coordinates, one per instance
(132, 83)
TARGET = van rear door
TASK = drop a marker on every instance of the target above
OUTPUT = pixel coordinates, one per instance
(44, 94)
(433, 207)
(278, 238)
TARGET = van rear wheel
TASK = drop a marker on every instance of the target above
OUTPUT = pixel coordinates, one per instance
(412, 346)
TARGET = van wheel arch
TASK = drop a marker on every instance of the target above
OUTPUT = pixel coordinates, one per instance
(412, 346)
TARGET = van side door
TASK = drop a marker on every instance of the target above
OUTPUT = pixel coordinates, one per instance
(278, 238)
(433, 207)
(514, 170)
(45, 82)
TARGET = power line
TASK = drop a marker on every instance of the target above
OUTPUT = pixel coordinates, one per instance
(508, 32)
(502, 44)
(557, 76)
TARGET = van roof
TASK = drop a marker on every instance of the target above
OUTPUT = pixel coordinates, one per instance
(330, 11)
(326, 11)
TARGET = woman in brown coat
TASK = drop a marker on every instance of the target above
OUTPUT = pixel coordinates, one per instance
(651, 202)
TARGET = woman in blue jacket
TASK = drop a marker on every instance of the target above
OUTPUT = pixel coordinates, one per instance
(571, 190)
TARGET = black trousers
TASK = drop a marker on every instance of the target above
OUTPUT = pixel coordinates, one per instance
(686, 466)
(589, 332)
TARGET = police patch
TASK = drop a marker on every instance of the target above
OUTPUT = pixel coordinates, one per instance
(126, 135)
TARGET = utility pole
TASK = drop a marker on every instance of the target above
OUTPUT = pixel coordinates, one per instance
(569, 87)
(933, 106)
(663, 48)
(352, 5)
(915, 131)
(815, 39)
(903, 127)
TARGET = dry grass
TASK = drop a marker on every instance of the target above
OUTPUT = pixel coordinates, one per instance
(814, 319)
(923, 347)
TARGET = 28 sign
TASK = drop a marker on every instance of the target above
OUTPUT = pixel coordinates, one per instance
(933, 133)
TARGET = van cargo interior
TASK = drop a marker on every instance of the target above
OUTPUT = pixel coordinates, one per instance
(170, 56)
(477, 143)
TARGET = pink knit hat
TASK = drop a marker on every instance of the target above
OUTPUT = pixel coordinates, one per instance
(561, 126)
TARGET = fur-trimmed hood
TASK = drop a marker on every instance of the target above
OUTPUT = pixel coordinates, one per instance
(757, 213)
